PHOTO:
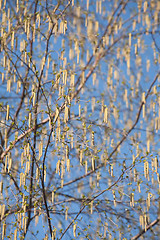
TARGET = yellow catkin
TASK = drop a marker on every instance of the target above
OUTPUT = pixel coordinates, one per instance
(34, 98)
(148, 65)
(83, 77)
(28, 147)
(139, 188)
(17, 5)
(141, 220)
(2, 77)
(68, 165)
(81, 156)
(39, 20)
(58, 167)
(27, 167)
(7, 116)
(45, 175)
(67, 152)
(114, 198)
(21, 179)
(93, 164)
(116, 28)
(22, 159)
(66, 213)
(107, 40)
(145, 6)
(4, 231)
(106, 115)
(130, 37)
(29, 119)
(40, 149)
(66, 114)
(136, 49)
(54, 234)
(87, 5)
(64, 77)
(25, 57)
(91, 207)
(149, 200)
(111, 170)
(93, 103)
(156, 164)
(145, 222)
(132, 200)
(65, 27)
(6, 138)
(92, 137)
(100, 7)
(98, 178)
(74, 230)
(53, 195)
(126, 97)
(148, 23)
(72, 80)
(96, 26)
(9, 162)
(146, 169)
(28, 28)
(2, 211)
(12, 40)
(4, 61)
(120, 24)
(128, 59)
(97, 6)
(78, 53)
(94, 79)
(18, 86)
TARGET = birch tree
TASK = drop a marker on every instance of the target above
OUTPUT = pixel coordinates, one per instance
(79, 119)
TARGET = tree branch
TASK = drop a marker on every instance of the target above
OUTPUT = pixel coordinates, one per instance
(152, 224)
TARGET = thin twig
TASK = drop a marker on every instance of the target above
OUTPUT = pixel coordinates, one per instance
(152, 224)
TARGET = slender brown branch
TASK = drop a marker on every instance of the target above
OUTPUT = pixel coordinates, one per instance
(43, 186)
(149, 226)
(35, 135)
